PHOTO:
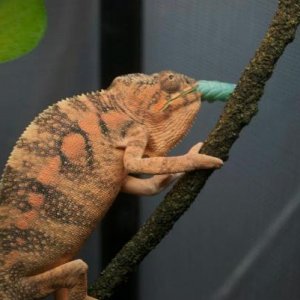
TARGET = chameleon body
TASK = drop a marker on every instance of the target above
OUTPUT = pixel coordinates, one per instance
(70, 163)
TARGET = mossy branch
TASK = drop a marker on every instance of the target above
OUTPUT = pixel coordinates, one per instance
(238, 112)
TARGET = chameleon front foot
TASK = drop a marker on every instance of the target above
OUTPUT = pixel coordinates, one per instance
(203, 161)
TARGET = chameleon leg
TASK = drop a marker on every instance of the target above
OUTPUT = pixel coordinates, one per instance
(61, 294)
(135, 162)
(72, 275)
(148, 186)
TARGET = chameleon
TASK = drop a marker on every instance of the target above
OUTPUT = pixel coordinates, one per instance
(71, 162)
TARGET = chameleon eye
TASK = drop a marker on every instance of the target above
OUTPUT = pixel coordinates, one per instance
(170, 82)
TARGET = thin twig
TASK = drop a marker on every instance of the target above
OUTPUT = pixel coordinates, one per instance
(238, 112)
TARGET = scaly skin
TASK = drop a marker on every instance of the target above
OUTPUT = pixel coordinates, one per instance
(68, 167)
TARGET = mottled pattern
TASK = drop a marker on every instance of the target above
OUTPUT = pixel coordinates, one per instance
(69, 165)
(77, 104)
(104, 129)
(23, 240)
(55, 121)
(39, 148)
(53, 204)
(103, 106)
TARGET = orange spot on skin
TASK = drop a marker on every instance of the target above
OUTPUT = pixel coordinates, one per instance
(113, 119)
(73, 146)
(35, 200)
(90, 124)
(49, 172)
(22, 224)
(30, 215)
(158, 106)
(26, 219)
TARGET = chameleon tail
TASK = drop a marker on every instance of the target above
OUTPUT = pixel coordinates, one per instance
(215, 90)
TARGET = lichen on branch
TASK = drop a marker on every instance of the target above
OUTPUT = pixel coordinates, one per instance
(240, 109)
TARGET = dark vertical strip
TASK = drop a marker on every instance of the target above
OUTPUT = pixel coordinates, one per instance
(121, 28)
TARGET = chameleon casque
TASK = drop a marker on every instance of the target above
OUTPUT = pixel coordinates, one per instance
(70, 163)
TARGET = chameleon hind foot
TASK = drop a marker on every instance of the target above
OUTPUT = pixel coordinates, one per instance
(71, 275)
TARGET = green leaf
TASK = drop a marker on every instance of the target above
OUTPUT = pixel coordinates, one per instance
(22, 25)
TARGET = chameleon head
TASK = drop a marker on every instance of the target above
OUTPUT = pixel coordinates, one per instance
(166, 103)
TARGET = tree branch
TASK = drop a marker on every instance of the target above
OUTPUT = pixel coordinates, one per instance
(238, 112)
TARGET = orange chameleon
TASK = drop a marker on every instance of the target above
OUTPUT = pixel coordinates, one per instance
(72, 161)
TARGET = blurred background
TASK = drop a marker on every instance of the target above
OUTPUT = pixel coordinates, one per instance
(240, 239)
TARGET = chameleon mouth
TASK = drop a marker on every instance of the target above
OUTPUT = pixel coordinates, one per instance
(183, 93)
